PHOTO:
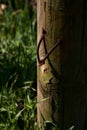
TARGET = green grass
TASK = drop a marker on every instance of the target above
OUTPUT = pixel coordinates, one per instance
(18, 107)
(17, 69)
(17, 45)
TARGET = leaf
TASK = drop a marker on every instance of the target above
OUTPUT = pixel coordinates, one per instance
(71, 128)
(28, 82)
(2, 125)
(19, 113)
(3, 109)
(42, 100)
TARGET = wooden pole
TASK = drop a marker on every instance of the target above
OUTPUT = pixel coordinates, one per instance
(62, 80)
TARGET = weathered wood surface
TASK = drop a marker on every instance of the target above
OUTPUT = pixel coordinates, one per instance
(63, 78)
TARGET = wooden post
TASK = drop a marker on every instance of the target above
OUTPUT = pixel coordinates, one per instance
(62, 80)
(49, 90)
